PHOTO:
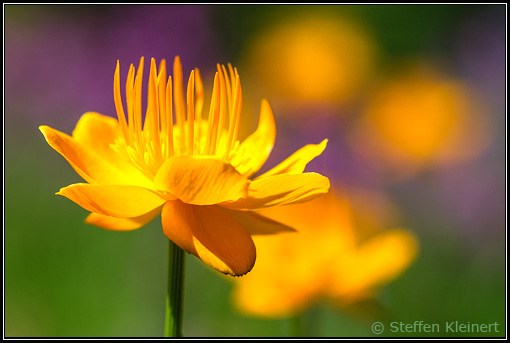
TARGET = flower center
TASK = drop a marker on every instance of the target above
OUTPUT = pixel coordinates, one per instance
(150, 145)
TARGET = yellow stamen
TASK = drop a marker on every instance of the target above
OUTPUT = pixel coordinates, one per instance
(232, 77)
(129, 102)
(149, 145)
(238, 114)
(191, 113)
(232, 74)
(118, 102)
(212, 129)
(199, 88)
(222, 104)
(161, 87)
(229, 92)
(152, 115)
(138, 105)
(179, 101)
(234, 123)
(170, 120)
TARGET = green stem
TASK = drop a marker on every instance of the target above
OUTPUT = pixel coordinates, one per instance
(173, 318)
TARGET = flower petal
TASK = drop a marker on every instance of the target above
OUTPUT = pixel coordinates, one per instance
(296, 163)
(122, 201)
(97, 132)
(257, 224)
(88, 164)
(210, 234)
(375, 263)
(121, 224)
(200, 180)
(281, 190)
(254, 150)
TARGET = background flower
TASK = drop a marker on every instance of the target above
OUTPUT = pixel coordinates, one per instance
(342, 251)
(420, 119)
(66, 278)
(317, 56)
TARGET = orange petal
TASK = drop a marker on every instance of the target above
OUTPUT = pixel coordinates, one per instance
(122, 201)
(375, 263)
(97, 132)
(296, 163)
(87, 163)
(200, 180)
(257, 224)
(254, 150)
(281, 190)
(211, 234)
(121, 224)
(269, 295)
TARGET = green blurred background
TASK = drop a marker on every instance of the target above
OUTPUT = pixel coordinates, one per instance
(66, 278)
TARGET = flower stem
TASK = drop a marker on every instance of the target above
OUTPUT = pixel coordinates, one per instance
(173, 317)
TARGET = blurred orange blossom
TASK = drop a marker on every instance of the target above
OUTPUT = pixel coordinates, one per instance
(420, 118)
(196, 172)
(318, 57)
(340, 252)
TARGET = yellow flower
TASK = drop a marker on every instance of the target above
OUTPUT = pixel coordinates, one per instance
(321, 57)
(421, 118)
(194, 172)
(339, 252)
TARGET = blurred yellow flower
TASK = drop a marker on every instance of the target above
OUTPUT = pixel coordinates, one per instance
(339, 252)
(318, 57)
(196, 173)
(419, 118)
